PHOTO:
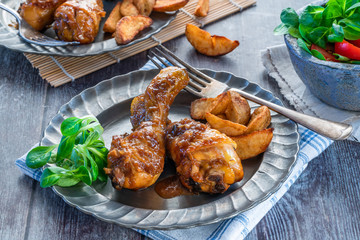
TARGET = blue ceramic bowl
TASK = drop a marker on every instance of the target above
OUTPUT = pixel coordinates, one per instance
(337, 84)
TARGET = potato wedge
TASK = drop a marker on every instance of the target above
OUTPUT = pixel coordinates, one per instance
(215, 106)
(128, 8)
(227, 127)
(209, 45)
(238, 109)
(200, 107)
(251, 145)
(221, 103)
(114, 17)
(260, 119)
(144, 7)
(169, 5)
(222, 116)
(202, 8)
(128, 27)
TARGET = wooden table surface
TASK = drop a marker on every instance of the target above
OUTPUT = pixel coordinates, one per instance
(322, 204)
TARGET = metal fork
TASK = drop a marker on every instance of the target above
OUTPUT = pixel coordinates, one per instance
(202, 85)
(30, 35)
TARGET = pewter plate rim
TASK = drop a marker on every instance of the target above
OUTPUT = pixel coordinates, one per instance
(11, 40)
(133, 217)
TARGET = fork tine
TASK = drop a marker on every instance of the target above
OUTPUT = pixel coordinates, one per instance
(154, 62)
(189, 67)
(160, 59)
(197, 83)
(198, 80)
(167, 58)
(193, 85)
(193, 89)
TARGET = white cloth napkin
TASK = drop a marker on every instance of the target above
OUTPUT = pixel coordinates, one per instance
(311, 145)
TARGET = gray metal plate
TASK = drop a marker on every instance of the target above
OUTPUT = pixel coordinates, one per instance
(110, 102)
(103, 42)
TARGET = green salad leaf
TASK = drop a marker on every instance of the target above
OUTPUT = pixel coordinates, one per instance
(336, 33)
(80, 156)
(317, 54)
(320, 25)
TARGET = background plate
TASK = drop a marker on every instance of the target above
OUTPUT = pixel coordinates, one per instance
(110, 102)
(103, 42)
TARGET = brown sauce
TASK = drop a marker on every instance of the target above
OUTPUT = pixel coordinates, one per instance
(171, 187)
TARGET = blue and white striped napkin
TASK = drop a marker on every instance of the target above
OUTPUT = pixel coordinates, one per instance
(311, 145)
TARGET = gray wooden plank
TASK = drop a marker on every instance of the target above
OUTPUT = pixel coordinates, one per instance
(19, 85)
(323, 202)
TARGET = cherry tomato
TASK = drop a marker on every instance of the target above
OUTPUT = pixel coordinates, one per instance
(348, 50)
(355, 42)
(328, 56)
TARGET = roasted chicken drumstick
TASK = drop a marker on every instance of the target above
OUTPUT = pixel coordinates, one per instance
(78, 20)
(205, 159)
(136, 161)
(39, 13)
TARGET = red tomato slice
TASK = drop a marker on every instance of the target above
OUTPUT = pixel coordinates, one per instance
(355, 42)
(328, 56)
(348, 50)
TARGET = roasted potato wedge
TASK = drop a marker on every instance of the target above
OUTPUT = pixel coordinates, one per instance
(200, 107)
(114, 17)
(128, 8)
(202, 8)
(128, 27)
(169, 5)
(209, 45)
(221, 103)
(144, 7)
(238, 109)
(252, 144)
(260, 119)
(222, 116)
(215, 106)
(225, 126)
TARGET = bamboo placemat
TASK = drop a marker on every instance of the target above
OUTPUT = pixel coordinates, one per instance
(60, 70)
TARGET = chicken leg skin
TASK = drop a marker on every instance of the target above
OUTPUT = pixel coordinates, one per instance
(205, 159)
(136, 160)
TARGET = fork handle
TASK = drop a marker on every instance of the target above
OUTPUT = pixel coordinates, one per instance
(11, 11)
(330, 129)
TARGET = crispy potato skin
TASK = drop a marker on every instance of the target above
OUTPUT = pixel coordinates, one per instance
(209, 45)
(260, 119)
(238, 109)
(202, 8)
(215, 106)
(114, 17)
(169, 5)
(252, 144)
(128, 8)
(229, 113)
(225, 126)
(144, 7)
(128, 27)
